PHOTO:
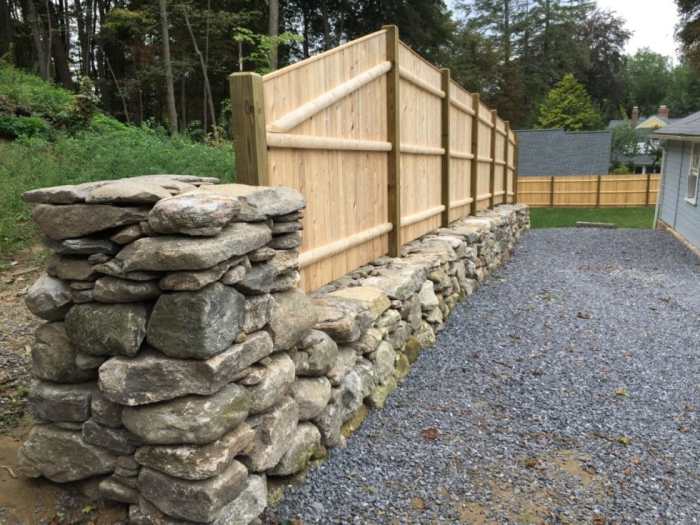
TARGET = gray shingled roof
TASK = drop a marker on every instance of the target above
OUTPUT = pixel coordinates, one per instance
(689, 126)
(546, 152)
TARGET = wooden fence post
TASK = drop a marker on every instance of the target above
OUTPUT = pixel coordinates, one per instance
(551, 192)
(474, 178)
(446, 197)
(249, 132)
(506, 153)
(492, 172)
(648, 197)
(393, 111)
(516, 154)
(597, 197)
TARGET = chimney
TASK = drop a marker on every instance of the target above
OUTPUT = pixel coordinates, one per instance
(663, 112)
(635, 116)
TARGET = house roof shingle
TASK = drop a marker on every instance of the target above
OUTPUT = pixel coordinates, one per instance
(686, 127)
(547, 152)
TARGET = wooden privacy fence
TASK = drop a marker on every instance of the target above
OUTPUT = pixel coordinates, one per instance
(590, 191)
(384, 146)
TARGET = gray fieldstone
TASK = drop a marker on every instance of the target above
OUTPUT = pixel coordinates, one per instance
(426, 296)
(118, 440)
(113, 490)
(199, 501)
(53, 356)
(55, 402)
(380, 394)
(82, 285)
(198, 462)
(114, 290)
(260, 278)
(127, 191)
(189, 420)
(151, 376)
(292, 314)
(259, 202)
(193, 213)
(82, 296)
(70, 268)
(398, 282)
(370, 340)
(82, 246)
(347, 357)
(127, 234)
(375, 299)
(79, 220)
(257, 312)
(329, 423)
(276, 382)
(384, 359)
(248, 505)
(318, 355)
(107, 329)
(104, 412)
(303, 446)
(196, 280)
(89, 362)
(345, 320)
(61, 456)
(287, 241)
(172, 253)
(273, 432)
(279, 228)
(235, 275)
(197, 324)
(114, 269)
(262, 254)
(312, 394)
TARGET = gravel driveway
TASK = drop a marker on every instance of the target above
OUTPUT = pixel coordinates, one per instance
(566, 390)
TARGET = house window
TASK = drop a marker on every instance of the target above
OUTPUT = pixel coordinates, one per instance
(694, 175)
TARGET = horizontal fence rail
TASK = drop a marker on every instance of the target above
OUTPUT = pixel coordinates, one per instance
(384, 146)
(589, 191)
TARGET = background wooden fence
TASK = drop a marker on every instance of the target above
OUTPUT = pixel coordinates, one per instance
(384, 146)
(594, 191)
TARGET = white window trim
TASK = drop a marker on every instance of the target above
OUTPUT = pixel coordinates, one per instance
(693, 200)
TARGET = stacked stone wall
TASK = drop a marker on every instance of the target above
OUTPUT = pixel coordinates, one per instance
(182, 372)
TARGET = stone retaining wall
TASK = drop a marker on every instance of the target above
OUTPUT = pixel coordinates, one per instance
(181, 371)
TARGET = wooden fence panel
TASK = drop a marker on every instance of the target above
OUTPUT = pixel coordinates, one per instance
(591, 191)
(461, 156)
(359, 131)
(421, 145)
(511, 166)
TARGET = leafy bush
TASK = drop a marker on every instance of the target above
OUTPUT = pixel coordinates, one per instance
(31, 92)
(12, 127)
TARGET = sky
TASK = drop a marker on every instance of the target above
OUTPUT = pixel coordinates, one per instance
(653, 23)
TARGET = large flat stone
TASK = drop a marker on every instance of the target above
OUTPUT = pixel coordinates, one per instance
(173, 253)
(374, 298)
(83, 246)
(198, 462)
(118, 440)
(317, 355)
(61, 456)
(190, 419)
(126, 191)
(151, 376)
(345, 320)
(114, 290)
(196, 324)
(49, 298)
(53, 356)
(107, 329)
(79, 220)
(261, 277)
(260, 202)
(303, 446)
(70, 268)
(193, 213)
(199, 501)
(312, 394)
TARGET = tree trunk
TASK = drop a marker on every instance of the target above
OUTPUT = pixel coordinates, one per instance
(60, 48)
(204, 73)
(326, 26)
(37, 36)
(7, 32)
(169, 83)
(273, 30)
(205, 95)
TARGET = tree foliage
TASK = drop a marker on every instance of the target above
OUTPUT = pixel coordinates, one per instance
(568, 105)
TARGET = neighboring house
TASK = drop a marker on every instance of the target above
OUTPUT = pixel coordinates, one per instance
(645, 159)
(547, 152)
(678, 205)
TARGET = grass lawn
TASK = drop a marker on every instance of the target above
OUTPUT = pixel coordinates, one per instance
(567, 217)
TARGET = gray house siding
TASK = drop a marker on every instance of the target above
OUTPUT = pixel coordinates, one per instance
(547, 152)
(674, 209)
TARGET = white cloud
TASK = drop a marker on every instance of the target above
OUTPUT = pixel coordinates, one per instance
(652, 22)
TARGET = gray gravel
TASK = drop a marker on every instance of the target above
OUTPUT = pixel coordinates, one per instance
(566, 390)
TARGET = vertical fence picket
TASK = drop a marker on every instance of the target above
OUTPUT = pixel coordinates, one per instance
(492, 168)
(446, 182)
(506, 154)
(474, 179)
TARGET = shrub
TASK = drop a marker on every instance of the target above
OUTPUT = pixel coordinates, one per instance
(12, 127)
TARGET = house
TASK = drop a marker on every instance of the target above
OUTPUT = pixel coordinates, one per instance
(547, 152)
(678, 207)
(645, 158)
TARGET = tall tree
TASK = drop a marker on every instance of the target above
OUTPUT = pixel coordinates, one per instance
(273, 29)
(569, 106)
(689, 29)
(647, 75)
(167, 63)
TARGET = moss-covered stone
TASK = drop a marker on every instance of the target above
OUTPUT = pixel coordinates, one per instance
(355, 422)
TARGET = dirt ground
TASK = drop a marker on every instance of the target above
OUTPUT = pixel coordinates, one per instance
(24, 501)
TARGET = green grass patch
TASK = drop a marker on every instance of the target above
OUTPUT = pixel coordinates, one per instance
(116, 151)
(567, 217)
